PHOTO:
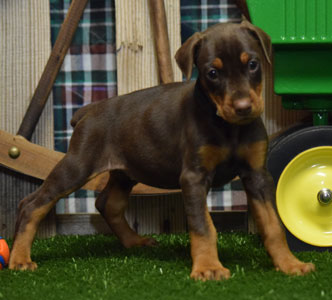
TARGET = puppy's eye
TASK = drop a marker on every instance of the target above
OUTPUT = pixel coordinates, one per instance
(213, 74)
(253, 65)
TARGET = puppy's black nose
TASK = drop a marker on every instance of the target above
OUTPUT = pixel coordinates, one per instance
(242, 106)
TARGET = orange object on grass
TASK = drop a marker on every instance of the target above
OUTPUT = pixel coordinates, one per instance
(4, 253)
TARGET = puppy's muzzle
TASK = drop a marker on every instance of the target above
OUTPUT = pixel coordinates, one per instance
(243, 106)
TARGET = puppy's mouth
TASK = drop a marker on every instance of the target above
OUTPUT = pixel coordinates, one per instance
(235, 119)
(239, 111)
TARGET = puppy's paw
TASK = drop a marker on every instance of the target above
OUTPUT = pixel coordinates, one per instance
(23, 266)
(296, 267)
(139, 241)
(203, 274)
(148, 242)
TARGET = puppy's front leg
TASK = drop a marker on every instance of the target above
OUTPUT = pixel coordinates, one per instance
(203, 236)
(260, 190)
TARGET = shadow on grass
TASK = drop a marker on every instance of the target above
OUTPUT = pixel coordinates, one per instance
(235, 249)
(169, 248)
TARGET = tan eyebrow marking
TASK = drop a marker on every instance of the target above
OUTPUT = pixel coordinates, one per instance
(244, 57)
(217, 63)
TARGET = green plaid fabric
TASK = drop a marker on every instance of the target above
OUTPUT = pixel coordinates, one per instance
(88, 74)
(198, 15)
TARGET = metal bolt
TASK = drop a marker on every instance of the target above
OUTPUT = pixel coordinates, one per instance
(324, 196)
(14, 152)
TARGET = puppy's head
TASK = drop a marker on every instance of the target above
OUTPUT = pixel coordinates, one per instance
(229, 61)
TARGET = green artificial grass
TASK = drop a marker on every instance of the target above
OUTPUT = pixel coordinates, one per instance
(98, 267)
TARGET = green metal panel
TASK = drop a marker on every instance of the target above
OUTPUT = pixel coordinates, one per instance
(303, 71)
(301, 34)
(293, 21)
(308, 102)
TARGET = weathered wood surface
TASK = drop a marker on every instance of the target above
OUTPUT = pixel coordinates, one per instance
(52, 68)
(24, 50)
(137, 65)
(161, 40)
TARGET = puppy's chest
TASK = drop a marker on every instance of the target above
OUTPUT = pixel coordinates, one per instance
(233, 156)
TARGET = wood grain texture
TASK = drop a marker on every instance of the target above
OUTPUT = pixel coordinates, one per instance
(137, 66)
(24, 50)
(45, 84)
(161, 40)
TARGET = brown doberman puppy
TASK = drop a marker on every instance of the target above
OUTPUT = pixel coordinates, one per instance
(190, 135)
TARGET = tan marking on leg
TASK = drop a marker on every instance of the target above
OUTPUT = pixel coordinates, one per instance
(218, 63)
(275, 241)
(212, 155)
(20, 255)
(254, 154)
(206, 264)
(244, 57)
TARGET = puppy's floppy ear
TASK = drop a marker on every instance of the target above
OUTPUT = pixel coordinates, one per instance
(185, 55)
(263, 38)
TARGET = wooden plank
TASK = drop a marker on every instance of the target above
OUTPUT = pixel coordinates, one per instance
(52, 68)
(81, 224)
(160, 36)
(136, 59)
(34, 160)
(24, 50)
(146, 215)
(242, 5)
(14, 187)
(38, 162)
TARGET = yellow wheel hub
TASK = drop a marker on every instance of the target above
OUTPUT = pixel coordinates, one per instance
(304, 196)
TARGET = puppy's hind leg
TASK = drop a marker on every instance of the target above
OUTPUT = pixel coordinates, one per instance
(67, 176)
(112, 203)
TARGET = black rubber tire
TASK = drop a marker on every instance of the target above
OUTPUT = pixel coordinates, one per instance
(283, 149)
